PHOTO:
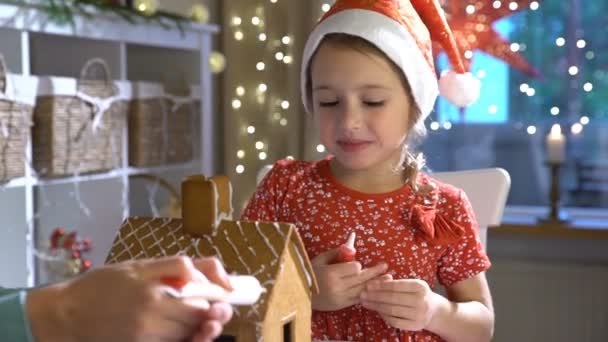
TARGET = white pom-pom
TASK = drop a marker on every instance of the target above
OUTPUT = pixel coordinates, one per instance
(461, 90)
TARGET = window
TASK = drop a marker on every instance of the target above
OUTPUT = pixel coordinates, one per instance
(507, 127)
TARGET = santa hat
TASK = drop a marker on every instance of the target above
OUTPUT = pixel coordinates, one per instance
(403, 31)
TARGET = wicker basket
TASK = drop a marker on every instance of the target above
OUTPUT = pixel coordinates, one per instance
(161, 126)
(78, 124)
(17, 97)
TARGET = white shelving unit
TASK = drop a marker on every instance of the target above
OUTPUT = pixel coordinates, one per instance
(31, 207)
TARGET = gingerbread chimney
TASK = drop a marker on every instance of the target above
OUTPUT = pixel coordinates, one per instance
(205, 203)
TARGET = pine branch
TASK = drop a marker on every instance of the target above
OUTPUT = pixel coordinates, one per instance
(63, 12)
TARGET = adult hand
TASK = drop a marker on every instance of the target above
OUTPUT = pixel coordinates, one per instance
(126, 302)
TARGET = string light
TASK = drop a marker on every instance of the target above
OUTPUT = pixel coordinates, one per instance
(281, 45)
(531, 129)
(468, 54)
(199, 13)
(434, 125)
(554, 111)
(590, 55)
(514, 47)
(236, 103)
(584, 120)
(217, 62)
(447, 125)
(530, 92)
(493, 109)
(470, 9)
(534, 5)
(320, 148)
(524, 87)
(576, 128)
(497, 4)
(588, 87)
(560, 41)
(325, 8)
(581, 43)
(513, 6)
(146, 7)
(573, 70)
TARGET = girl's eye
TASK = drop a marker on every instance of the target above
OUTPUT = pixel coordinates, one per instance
(328, 103)
(374, 103)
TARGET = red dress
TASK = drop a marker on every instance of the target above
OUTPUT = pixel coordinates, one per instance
(432, 237)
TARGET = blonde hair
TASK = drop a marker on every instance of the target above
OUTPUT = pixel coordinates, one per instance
(410, 163)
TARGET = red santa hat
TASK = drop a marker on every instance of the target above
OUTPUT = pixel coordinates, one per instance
(403, 31)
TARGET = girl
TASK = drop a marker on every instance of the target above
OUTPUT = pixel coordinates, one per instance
(368, 78)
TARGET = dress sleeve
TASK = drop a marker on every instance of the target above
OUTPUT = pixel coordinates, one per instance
(14, 324)
(466, 257)
(265, 203)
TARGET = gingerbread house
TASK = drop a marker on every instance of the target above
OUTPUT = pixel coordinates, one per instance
(272, 252)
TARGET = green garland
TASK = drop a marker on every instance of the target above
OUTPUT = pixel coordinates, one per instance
(63, 12)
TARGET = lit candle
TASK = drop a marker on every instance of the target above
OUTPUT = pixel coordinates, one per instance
(556, 145)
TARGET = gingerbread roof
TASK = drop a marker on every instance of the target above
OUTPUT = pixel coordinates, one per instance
(251, 248)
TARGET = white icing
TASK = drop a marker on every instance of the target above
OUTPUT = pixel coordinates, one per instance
(215, 249)
(246, 240)
(265, 239)
(303, 266)
(236, 251)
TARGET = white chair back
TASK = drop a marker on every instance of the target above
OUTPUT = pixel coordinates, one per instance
(487, 189)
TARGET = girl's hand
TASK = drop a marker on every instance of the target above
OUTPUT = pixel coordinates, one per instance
(406, 304)
(340, 285)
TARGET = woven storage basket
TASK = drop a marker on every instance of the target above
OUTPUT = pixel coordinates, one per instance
(161, 126)
(17, 98)
(78, 124)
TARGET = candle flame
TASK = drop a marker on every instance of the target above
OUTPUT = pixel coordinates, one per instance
(556, 130)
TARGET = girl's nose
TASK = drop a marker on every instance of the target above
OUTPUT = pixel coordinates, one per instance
(351, 117)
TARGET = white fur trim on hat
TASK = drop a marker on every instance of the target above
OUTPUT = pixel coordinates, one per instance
(390, 37)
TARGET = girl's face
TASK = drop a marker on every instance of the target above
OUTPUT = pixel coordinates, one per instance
(360, 106)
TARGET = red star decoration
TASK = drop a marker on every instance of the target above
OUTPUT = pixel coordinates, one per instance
(475, 32)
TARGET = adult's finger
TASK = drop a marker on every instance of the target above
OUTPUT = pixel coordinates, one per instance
(180, 267)
(214, 271)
